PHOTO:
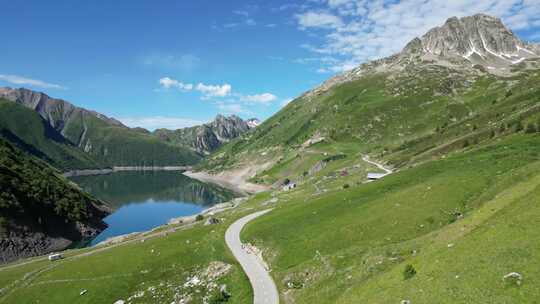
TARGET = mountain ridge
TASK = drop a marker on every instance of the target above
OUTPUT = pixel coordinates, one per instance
(106, 140)
(208, 137)
(461, 43)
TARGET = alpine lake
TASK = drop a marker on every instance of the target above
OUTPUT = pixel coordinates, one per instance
(143, 200)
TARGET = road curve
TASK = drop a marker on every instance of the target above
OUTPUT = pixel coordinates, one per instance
(264, 288)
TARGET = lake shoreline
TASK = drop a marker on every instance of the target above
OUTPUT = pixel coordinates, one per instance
(90, 172)
(235, 181)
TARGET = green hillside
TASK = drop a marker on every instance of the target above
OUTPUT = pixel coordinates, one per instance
(404, 117)
(26, 129)
(462, 222)
(120, 146)
(36, 203)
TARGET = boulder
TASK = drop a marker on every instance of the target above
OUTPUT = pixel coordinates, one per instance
(211, 221)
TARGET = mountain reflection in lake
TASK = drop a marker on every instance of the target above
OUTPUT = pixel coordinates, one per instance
(145, 200)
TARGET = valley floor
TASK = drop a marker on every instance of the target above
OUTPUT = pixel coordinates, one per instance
(445, 231)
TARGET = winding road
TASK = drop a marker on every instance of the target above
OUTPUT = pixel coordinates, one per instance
(264, 288)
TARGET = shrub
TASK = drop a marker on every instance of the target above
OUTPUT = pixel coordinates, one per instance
(346, 186)
(3, 226)
(531, 128)
(409, 272)
(199, 217)
(220, 296)
(466, 144)
(518, 127)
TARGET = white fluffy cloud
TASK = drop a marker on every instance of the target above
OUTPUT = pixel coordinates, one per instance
(355, 31)
(19, 80)
(265, 98)
(207, 90)
(156, 122)
(168, 83)
(222, 96)
(214, 90)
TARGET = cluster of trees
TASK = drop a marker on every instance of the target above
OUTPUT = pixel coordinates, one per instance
(31, 188)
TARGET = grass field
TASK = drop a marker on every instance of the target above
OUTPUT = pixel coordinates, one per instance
(462, 222)
(159, 266)
(352, 245)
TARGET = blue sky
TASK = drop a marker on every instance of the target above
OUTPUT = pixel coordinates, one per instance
(178, 63)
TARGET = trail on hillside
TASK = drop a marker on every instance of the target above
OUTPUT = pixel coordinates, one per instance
(378, 165)
(264, 288)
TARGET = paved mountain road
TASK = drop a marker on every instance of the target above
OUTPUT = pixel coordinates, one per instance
(264, 288)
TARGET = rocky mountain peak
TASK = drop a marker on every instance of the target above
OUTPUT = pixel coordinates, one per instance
(460, 43)
(480, 39)
(208, 137)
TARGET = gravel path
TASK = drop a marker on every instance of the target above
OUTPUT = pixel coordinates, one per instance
(264, 288)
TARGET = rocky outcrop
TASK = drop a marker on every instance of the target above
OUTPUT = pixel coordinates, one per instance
(28, 237)
(208, 137)
(481, 39)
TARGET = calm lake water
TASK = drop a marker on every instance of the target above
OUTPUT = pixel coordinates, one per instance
(145, 200)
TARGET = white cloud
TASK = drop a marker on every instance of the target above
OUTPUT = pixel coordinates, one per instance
(19, 80)
(264, 98)
(318, 20)
(167, 83)
(362, 30)
(222, 96)
(214, 90)
(207, 90)
(156, 122)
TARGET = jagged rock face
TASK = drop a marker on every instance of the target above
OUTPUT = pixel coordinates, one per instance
(208, 137)
(227, 128)
(476, 38)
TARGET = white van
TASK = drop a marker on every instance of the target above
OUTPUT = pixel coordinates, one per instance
(55, 256)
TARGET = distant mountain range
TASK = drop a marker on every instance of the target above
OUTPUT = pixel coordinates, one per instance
(70, 137)
(208, 137)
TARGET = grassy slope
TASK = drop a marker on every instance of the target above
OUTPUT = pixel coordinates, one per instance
(353, 245)
(35, 136)
(403, 118)
(110, 145)
(116, 273)
(350, 245)
(118, 146)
